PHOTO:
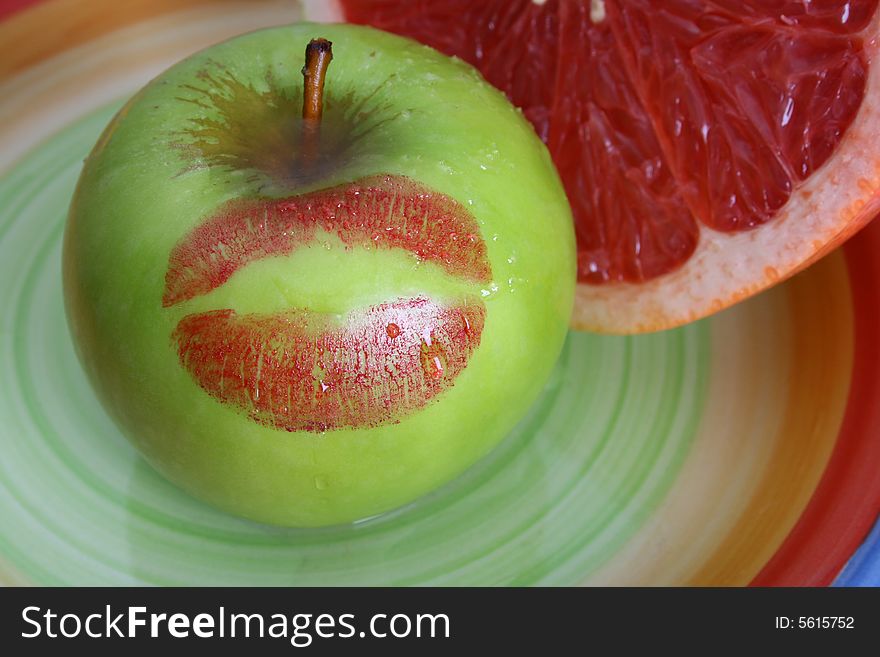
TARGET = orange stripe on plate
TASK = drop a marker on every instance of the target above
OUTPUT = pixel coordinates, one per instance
(50, 27)
(822, 346)
(847, 501)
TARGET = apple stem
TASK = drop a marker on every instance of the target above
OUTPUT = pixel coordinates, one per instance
(319, 52)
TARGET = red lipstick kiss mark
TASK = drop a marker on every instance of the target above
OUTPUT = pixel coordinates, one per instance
(391, 212)
(301, 370)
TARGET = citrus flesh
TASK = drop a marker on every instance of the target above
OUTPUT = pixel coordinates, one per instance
(709, 149)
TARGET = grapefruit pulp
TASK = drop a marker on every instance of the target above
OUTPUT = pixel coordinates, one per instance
(709, 148)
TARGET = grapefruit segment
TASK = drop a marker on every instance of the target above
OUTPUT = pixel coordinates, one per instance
(632, 223)
(745, 110)
(709, 148)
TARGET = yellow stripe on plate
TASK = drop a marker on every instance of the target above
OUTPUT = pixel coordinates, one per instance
(781, 366)
(61, 86)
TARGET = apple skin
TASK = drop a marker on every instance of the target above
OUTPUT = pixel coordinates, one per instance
(419, 114)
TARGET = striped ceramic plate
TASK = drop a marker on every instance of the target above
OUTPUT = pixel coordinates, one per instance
(741, 449)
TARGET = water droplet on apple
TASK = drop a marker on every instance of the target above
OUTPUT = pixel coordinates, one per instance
(433, 360)
(493, 288)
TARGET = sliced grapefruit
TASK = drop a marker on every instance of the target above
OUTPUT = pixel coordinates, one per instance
(709, 148)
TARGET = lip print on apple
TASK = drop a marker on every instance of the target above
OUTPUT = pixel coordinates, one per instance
(298, 369)
(303, 370)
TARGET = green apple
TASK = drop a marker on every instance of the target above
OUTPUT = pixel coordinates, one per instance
(312, 323)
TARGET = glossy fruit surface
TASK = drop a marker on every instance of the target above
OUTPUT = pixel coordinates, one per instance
(308, 339)
(709, 149)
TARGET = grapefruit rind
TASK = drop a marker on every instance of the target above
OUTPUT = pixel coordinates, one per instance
(835, 202)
